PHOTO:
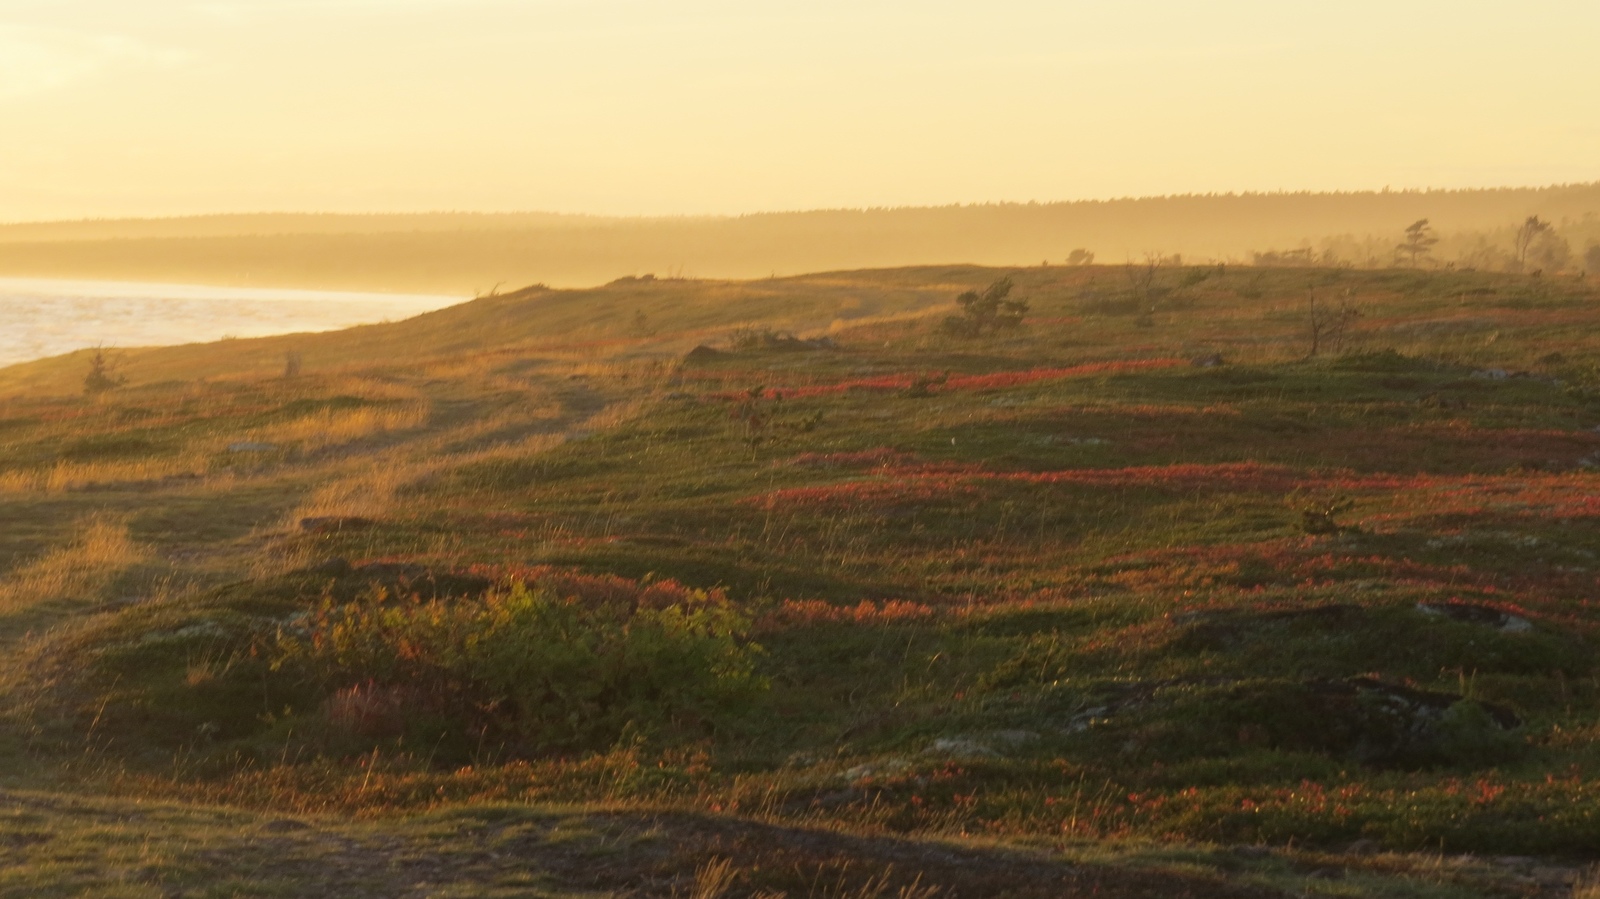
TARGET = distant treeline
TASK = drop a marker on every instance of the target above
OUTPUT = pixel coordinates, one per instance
(471, 253)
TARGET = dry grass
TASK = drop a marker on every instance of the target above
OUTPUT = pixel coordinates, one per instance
(100, 551)
(356, 381)
(534, 411)
(372, 491)
(368, 493)
(331, 428)
(1588, 886)
(617, 414)
(474, 367)
(67, 476)
(879, 886)
(643, 369)
(713, 879)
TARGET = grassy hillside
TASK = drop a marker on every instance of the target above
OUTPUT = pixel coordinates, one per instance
(630, 317)
(791, 587)
(467, 254)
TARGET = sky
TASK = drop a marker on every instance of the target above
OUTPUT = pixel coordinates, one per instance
(672, 107)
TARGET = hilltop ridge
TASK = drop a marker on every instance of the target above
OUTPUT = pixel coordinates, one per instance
(639, 317)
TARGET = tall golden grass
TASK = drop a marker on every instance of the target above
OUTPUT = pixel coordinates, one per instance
(332, 428)
(368, 493)
(101, 550)
(65, 476)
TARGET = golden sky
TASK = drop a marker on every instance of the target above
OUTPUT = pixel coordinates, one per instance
(161, 107)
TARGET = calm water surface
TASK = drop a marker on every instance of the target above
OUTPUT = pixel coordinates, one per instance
(47, 317)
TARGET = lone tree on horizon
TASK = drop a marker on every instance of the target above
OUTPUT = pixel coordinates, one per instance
(1419, 241)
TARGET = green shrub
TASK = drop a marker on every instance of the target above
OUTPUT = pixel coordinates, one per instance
(537, 670)
(1466, 734)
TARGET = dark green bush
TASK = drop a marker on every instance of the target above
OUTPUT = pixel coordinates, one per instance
(1361, 719)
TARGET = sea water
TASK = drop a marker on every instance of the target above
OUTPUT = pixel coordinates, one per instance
(42, 317)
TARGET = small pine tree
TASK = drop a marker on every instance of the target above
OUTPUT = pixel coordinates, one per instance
(988, 312)
(102, 374)
(1419, 241)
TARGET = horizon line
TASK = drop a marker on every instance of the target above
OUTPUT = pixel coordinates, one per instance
(733, 216)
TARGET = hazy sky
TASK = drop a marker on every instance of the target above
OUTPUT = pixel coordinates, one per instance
(156, 107)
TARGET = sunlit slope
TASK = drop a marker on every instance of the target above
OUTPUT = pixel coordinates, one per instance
(627, 317)
(469, 254)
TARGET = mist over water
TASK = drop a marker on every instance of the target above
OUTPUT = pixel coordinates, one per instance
(48, 317)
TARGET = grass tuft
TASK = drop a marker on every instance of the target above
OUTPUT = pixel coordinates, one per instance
(99, 551)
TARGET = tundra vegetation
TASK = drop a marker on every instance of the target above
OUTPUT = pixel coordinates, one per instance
(803, 590)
